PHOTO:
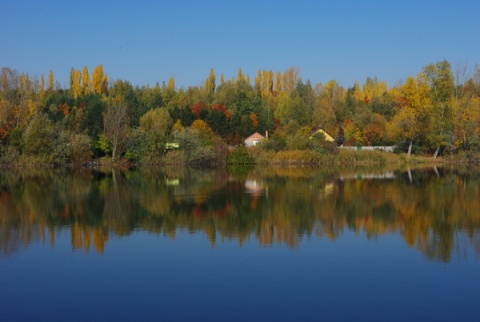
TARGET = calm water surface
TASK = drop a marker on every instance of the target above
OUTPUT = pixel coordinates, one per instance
(233, 245)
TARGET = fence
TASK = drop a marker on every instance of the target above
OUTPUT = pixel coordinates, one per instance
(369, 148)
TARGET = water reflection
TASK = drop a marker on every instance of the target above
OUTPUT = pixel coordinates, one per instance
(436, 210)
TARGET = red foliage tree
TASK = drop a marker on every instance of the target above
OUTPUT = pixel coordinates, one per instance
(197, 108)
(222, 108)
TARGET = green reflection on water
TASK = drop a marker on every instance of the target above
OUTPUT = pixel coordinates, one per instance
(435, 210)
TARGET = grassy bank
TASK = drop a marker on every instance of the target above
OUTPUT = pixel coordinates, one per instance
(261, 157)
(340, 157)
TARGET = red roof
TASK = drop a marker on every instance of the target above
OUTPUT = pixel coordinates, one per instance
(255, 136)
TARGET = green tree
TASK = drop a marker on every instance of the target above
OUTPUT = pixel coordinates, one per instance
(440, 79)
(328, 106)
(293, 108)
(39, 137)
(155, 125)
(467, 116)
(79, 148)
(126, 91)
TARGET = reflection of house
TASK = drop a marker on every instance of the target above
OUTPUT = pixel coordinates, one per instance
(254, 187)
(254, 139)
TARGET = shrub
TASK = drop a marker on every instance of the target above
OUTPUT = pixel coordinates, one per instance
(80, 148)
(174, 157)
(9, 155)
(240, 155)
(39, 137)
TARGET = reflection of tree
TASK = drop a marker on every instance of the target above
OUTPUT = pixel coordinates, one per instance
(428, 209)
(83, 235)
(117, 210)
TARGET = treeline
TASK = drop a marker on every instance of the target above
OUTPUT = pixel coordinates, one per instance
(436, 112)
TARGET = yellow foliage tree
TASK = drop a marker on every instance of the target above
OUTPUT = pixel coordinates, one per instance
(258, 80)
(290, 79)
(240, 76)
(76, 82)
(50, 82)
(85, 81)
(202, 127)
(278, 82)
(99, 80)
(177, 126)
(210, 82)
(373, 88)
(171, 83)
(41, 89)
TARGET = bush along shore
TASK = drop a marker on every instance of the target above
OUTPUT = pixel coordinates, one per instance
(259, 156)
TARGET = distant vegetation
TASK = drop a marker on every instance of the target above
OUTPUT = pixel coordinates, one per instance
(435, 113)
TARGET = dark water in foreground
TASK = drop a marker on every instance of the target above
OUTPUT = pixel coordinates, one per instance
(267, 244)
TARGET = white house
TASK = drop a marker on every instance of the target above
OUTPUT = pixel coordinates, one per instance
(254, 139)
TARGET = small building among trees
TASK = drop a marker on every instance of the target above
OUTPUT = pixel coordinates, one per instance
(254, 139)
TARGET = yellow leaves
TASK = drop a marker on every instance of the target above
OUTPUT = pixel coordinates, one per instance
(240, 76)
(258, 80)
(76, 82)
(373, 88)
(50, 82)
(171, 83)
(41, 89)
(329, 86)
(210, 82)
(177, 126)
(265, 83)
(410, 92)
(99, 81)
(415, 93)
(403, 125)
(85, 81)
(82, 84)
(202, 127)
(466, 120)
(352, 133)
(156, 121)
(290, 79)
(278, 82)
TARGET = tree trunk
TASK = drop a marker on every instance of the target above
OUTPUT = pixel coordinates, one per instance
(410, 148)
(435, 155)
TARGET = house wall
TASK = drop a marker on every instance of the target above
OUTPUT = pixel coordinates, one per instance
(251, 142)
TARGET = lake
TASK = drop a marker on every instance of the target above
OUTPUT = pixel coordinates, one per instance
(237, 244)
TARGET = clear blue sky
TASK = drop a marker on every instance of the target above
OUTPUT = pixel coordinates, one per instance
(148, 41)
